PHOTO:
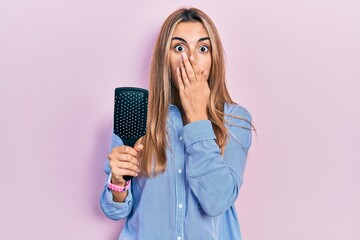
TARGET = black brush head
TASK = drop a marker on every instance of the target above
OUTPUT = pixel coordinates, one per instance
(130, 114)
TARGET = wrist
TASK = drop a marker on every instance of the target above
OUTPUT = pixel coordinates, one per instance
(197, 118)
(120, 183)
(119, 187)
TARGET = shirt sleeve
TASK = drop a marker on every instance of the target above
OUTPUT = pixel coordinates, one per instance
(114, 210)
(216, 179)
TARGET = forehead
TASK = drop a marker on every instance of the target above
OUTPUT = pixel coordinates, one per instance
(190, 29)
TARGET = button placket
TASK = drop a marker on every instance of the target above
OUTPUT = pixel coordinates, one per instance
(179, 164)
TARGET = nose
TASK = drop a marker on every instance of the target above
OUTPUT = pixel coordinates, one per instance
(192, 52)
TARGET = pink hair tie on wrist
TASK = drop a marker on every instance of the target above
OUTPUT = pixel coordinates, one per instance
(119, 189)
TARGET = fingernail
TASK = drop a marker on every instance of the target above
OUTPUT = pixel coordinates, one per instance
(192, 58)
(183, 55)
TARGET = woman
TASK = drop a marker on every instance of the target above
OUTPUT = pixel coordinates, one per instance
(189, 166)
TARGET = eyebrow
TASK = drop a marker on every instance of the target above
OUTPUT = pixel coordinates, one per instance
(183, 40)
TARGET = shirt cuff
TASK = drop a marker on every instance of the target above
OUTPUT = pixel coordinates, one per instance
(109, 197)
(198, 131)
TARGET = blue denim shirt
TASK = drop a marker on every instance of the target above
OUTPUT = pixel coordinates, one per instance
(194, 198)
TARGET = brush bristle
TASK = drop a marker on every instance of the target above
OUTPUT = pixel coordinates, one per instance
(130, 114)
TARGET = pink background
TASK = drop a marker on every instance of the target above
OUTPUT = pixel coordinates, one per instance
(295, 65)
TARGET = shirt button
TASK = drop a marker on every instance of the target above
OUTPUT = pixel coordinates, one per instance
(180, 205)
(180, 138)
(178, 238)
(179, 171)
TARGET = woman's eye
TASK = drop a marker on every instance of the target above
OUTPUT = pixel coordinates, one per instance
(204, 49)
(179, 48)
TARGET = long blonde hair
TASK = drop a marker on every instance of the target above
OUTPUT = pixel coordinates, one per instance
(153, 157)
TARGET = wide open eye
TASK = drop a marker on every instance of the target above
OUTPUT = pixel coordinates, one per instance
(179, 48)
(204, 49)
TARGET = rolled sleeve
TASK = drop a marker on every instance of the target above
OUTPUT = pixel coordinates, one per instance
(216, 178)
(120, 205)
(115, 210)
(198, 131)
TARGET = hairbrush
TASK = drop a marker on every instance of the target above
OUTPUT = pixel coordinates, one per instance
(130, 115)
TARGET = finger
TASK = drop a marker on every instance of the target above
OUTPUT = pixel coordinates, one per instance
(128, 158)
(179, 79)
(116, 157)
(125, 149)
(127, 165)
(183, 73)
(119, 173)
(195, 66)
(138, 147)
(139, 141)
(188, 67)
